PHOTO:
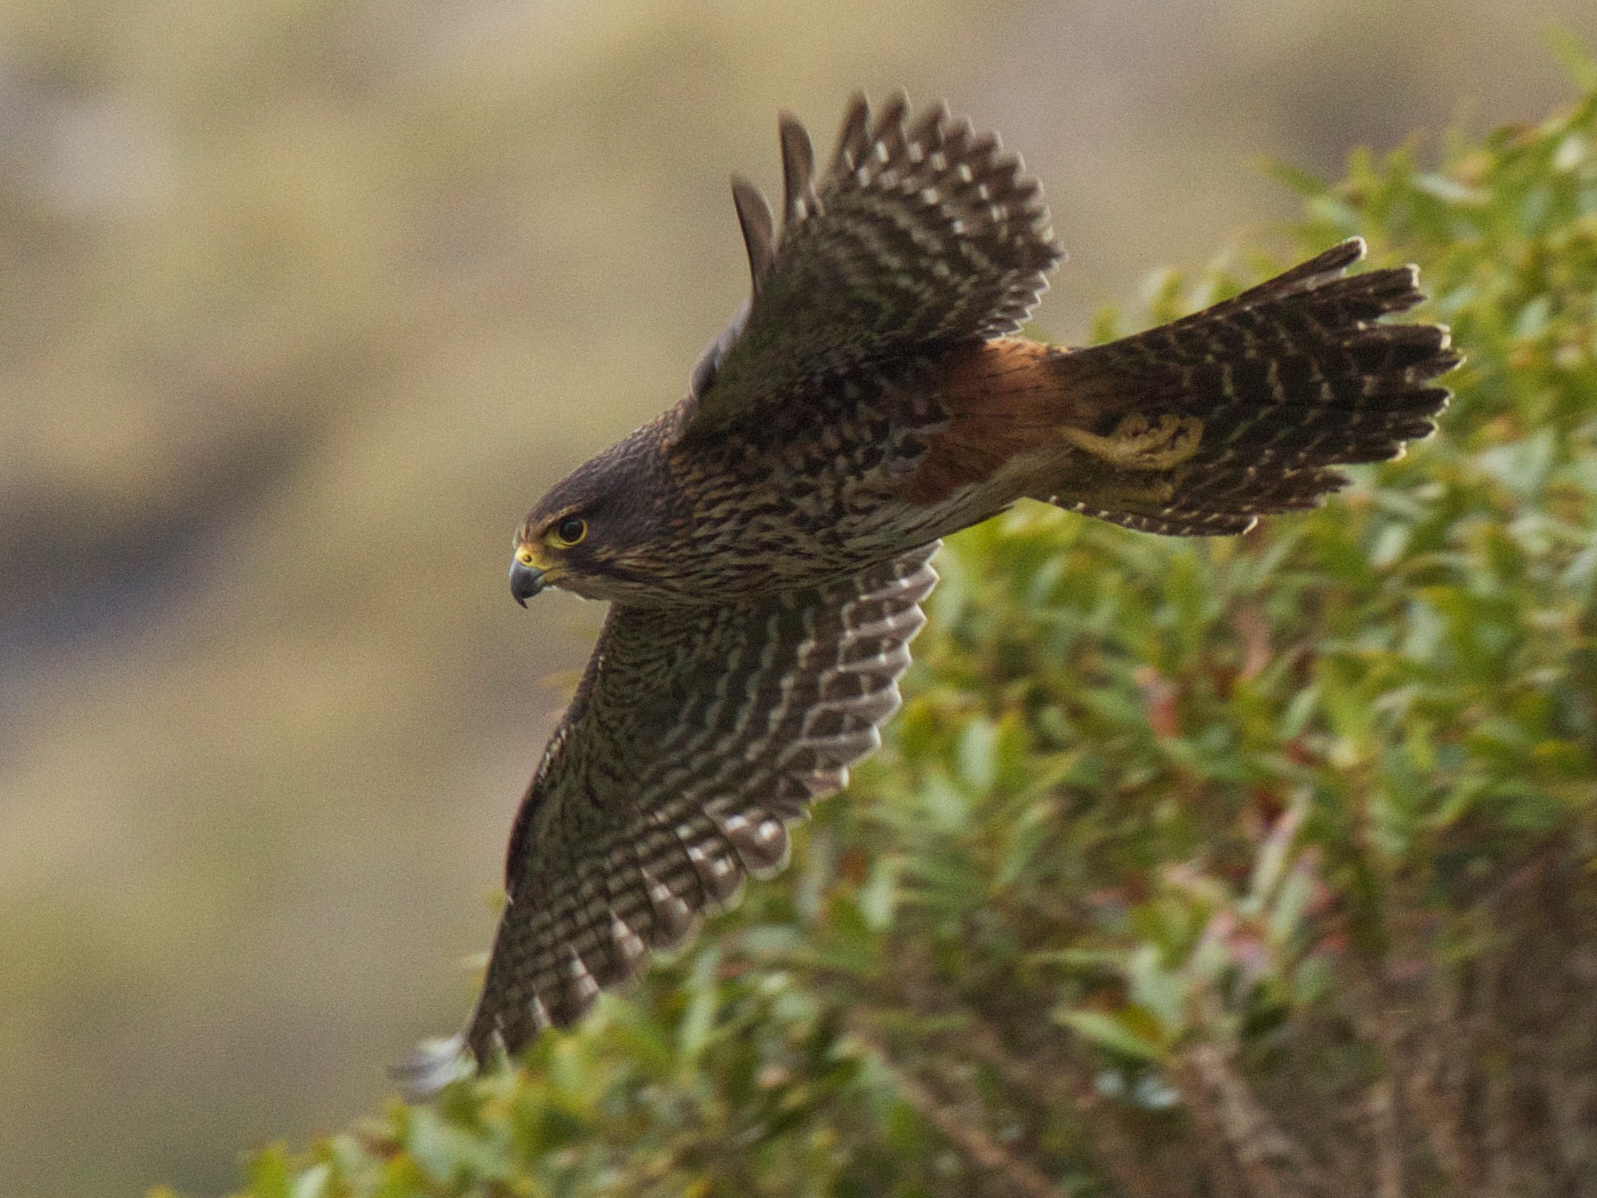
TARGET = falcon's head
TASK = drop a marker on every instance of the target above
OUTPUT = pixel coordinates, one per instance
(606, 531)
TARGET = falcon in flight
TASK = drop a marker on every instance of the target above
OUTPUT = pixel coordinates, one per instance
(766, 543)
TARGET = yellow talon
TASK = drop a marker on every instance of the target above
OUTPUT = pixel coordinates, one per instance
(1137, 445)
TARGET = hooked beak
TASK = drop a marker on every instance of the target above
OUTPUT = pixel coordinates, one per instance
(525, 581)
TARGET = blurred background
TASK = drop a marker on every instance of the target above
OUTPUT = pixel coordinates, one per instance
(304, 303)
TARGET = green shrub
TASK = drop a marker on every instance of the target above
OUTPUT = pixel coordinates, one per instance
(1252, 867)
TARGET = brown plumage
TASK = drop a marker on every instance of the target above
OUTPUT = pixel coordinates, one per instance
(766, 542)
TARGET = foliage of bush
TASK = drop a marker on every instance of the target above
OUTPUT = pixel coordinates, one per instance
(1249, 867)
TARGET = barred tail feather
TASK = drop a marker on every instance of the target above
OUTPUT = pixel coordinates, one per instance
(1286, 380)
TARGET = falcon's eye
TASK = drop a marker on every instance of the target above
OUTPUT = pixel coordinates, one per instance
(571, 530)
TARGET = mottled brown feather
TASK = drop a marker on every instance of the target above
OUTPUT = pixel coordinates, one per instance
(765, 544)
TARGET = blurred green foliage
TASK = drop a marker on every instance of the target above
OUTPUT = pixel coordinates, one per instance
(1239, 864)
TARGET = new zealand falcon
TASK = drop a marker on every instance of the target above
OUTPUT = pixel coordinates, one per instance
(766, 543)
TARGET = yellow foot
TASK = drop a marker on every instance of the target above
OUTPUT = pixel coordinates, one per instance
(1137, 445)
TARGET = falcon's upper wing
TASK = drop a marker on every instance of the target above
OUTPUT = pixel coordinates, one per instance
(697, 734)
(919, 234)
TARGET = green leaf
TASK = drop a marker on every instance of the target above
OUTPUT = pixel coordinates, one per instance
(271, 1175)
(1113, 1031)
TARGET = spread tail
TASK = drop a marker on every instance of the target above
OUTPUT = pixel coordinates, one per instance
(1200, 426)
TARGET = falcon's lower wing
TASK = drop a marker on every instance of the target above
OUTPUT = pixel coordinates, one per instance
(697, 735)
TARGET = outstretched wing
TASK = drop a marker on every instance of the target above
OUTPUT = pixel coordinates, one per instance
(697, 735)
(920, 234)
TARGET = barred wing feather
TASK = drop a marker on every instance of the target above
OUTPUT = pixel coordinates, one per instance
(922, 233)
(697, 735)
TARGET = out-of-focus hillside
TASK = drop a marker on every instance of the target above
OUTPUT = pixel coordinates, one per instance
(302, 305)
